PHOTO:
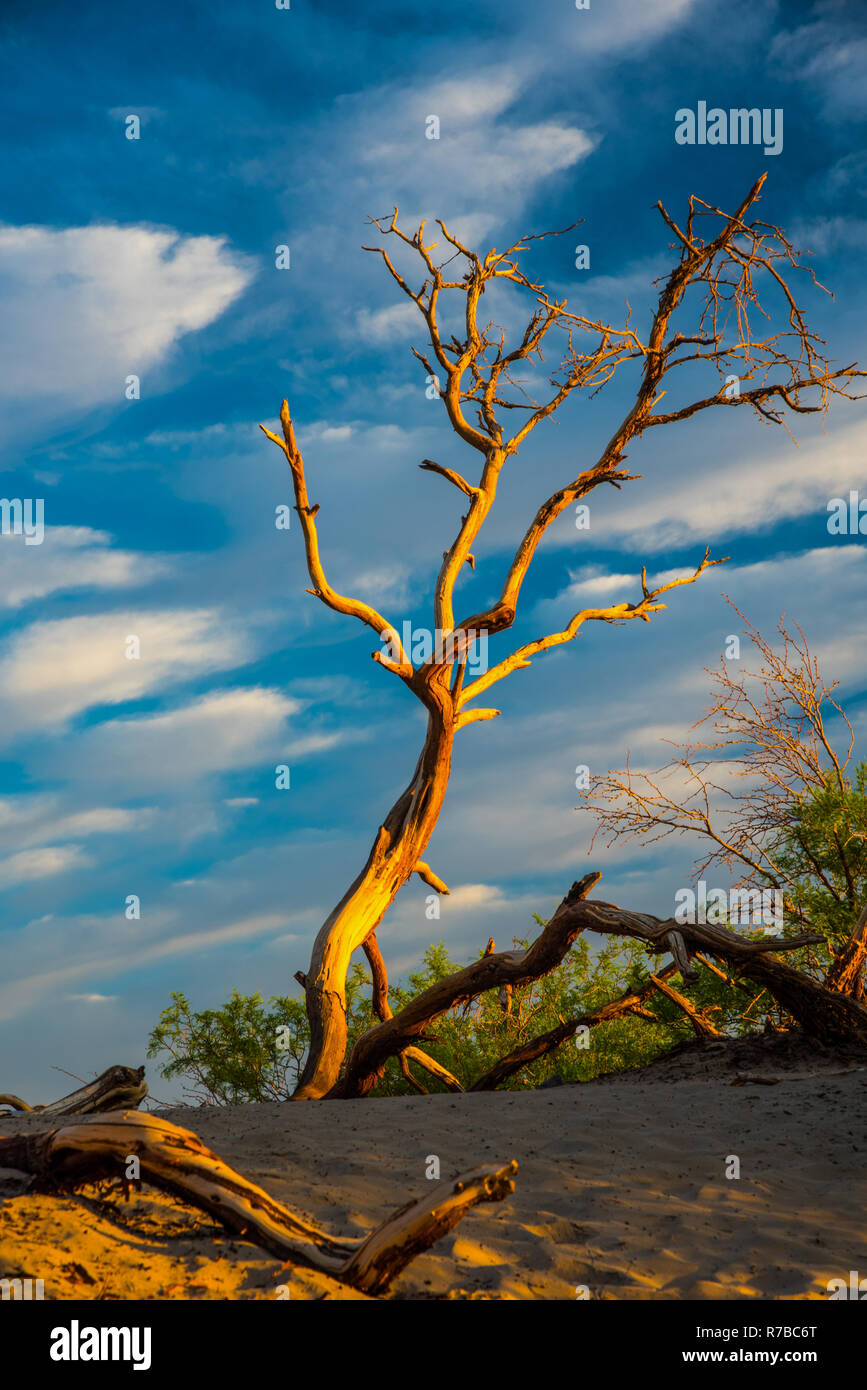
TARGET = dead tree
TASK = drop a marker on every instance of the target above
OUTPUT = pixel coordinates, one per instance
(723, 273)
(176, 1161)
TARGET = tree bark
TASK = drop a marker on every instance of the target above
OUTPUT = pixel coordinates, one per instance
(846, 972)
(176, 1161)
(400, 842)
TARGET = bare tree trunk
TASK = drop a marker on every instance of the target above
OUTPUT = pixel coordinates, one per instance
(400, 842)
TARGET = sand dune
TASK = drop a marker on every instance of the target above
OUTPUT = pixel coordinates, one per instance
(621, 1188)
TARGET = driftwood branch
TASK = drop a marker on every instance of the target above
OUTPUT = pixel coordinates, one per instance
(823, 1012)
(176, 1161)
(701, 1026)
(116, 1089)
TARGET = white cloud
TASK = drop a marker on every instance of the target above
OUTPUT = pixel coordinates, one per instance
(32, 865)
(85, 306)
(70, 557)
(620, 24)
(748, 495)
(386, 325)
(485, 166)
(466, 100)
(383, 585)
(486, 161)
(26, 821)
(53, 670)
(220, 732)
(823, 235)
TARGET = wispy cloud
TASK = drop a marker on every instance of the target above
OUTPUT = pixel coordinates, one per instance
(54, 670)
(70, 557)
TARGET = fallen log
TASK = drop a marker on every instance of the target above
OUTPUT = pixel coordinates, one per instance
(827, 1014)
(117, 1088)
(176, 1161)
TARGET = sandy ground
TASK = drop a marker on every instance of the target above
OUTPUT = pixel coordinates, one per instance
(621, 1188)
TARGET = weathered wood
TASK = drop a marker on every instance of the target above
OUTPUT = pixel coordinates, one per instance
(116, 1089)
(701, 1025)
(846, 972)
(677, 946)
(14, 1101)
(176, 1161)
(382, 1009)
(500, 967)
(389, 1249)
(822, 1012)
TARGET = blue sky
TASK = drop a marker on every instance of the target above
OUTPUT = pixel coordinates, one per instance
(156, 257)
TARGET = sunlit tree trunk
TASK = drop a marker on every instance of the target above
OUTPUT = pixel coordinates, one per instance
(397, 849)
